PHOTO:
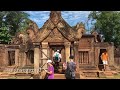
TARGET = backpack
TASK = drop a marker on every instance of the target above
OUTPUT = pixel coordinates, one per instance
(57, 57)
(68, 72)
(72, 66)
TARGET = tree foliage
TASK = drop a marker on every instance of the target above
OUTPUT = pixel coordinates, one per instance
(12, 22)
(107, 23)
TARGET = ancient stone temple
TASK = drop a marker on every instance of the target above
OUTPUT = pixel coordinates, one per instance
(39, 44)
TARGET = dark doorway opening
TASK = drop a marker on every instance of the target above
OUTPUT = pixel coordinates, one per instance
(100, 66)
(11, 58)
(53, 49)
(30, 56)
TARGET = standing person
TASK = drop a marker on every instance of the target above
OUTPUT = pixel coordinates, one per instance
(57, 58)
(71, 68)
(50, 71)
(104, 58)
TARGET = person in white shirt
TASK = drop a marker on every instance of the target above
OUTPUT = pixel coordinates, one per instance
(57, 58)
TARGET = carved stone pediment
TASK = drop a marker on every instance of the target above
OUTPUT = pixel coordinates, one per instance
(55, 36)
(56, 21)
(60, 25)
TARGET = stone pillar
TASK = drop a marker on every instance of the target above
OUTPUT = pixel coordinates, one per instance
(36, 58)
(67, 50)
(6, 60)
(76, 54)
(96, 56)
(21, 59)
(45, 56)
(40, 54)
(72, 49)
(92, 55)
(24, 63)
(17, 57)
(111, 54)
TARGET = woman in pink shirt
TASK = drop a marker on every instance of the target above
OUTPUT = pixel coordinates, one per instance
(50, 71)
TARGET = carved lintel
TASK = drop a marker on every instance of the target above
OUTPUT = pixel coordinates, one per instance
(67, 44)
(12, 46)
(44, 44)
(36, 45)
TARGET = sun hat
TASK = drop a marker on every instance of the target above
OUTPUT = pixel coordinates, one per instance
(49, 61)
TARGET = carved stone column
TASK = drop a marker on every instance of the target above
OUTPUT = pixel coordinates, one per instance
(24, 63)
(17, 56)
(6, 60)
(92, 59)
(111, 54)
(67, 50)
(45, 55)
(72, 49)
(76, 53)
(36, 58)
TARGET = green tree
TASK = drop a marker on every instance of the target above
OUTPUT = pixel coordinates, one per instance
(107, 23)
(17, 21)
(12, 22)
(4, 35)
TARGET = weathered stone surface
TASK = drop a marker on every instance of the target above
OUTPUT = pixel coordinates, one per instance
(36, 60)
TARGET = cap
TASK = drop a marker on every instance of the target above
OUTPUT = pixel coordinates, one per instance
(49, 61)
(58, 50)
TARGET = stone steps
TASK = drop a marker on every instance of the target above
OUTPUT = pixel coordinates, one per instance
(106, 73)
(89, 73)
(62, 76)
(59, 76)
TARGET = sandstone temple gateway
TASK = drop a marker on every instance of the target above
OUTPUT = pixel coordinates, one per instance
(38, 45)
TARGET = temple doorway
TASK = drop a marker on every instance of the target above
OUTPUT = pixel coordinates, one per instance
(54, 48)
(100, 66)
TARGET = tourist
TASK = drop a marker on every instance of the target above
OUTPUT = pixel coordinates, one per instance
(50, 71)
(57, 58)
(71, 68)
(104, 58)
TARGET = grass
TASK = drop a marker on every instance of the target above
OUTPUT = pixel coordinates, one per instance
(114, 77)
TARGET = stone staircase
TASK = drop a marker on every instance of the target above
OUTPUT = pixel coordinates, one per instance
(88, 71)
(109, 74)
(59, 76)
(62, 76)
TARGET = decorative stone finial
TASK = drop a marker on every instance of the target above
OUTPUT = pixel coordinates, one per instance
(55, 16)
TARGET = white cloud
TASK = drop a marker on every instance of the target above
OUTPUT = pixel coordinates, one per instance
(71, 17)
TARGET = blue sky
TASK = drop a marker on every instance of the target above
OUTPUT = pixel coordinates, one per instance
(71, 17)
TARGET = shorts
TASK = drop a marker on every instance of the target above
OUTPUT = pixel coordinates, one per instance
(105, 62)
